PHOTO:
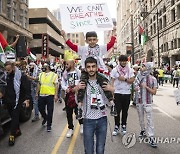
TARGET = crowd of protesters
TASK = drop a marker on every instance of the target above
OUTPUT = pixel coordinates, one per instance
(87, 91)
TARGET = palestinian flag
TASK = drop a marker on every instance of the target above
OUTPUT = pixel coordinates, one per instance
(142, 36)
(2, 56)
(31, 56)
(3, 41)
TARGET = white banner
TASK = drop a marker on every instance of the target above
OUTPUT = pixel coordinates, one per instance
(85, 17)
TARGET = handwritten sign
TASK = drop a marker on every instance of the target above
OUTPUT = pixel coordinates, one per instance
(85, 17)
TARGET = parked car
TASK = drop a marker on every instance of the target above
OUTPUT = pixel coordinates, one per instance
(25, 114)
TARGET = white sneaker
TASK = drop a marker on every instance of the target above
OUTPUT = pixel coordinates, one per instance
(81, 129)
(116, 131)
(69, 133)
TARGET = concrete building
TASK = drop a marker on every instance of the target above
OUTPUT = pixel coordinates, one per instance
(163, 41)
(107, 37)
(14, 19)
(47, 40)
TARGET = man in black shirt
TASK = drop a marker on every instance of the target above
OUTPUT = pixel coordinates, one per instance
(17, 91)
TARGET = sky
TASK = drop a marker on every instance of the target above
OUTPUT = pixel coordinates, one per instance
(54, 4)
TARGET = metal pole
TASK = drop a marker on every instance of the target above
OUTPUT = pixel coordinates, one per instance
(157, 14)
(132, 39)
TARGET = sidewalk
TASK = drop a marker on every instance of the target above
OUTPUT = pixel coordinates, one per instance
(165, 100)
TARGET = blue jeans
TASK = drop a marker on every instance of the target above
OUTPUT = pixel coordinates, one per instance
(97, 127)
(35, 101)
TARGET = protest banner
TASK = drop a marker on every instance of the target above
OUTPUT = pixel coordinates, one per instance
(85, 17)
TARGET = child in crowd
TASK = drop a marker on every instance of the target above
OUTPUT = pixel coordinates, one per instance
(96, 51)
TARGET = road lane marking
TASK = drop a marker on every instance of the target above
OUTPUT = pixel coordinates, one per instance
(73, 140)
(161, 110)
(59, 142)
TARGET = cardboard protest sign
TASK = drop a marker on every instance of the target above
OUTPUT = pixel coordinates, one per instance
(85, 17)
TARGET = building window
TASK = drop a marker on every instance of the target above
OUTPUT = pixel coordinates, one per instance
(160, 24)
(77, 41)
(150, 21)
(9, 2)
(14, 4)
(154, 27)
(68, 35)
(164, 9)
(0, 6)
(14, 15)
(154, 18)
(77, 35)
(178, 11)
(150, 4)
(9, 12)
(167, 48)
(162, 48)
(25, 22)
(21, 20)
(154, 2)
(164, 21)
(151, 29)
(178, 42)
(172, 2)
(73, 35)
(175, 43)
(173, 15)
(73, 40)
(171, 45)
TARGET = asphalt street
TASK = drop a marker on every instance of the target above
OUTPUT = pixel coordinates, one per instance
(36, 140)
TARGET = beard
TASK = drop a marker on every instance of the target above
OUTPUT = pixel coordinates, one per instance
(68, 69)
(92, 74)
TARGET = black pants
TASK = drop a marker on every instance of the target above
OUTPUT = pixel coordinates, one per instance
(69, 114)
(161, 81)
(42, 102)
(100, 79)
(14, 113)
(177, 82)
(122, 102)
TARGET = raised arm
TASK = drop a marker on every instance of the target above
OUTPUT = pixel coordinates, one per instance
(73, 46)
(113, 39)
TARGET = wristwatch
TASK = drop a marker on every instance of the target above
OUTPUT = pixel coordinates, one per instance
(125, 80)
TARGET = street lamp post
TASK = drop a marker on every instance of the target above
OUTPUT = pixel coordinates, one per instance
(157, 16)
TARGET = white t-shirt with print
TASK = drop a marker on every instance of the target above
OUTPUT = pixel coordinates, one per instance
(122, 87)
(95, 52)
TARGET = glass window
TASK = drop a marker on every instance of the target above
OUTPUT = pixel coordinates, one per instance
(9, 2)
(173, 15)
(178, 11)
(0, 6)
(14, 15)
(178, 42)
(164, 21)
(172, 2)
(175, 43)
(9, 12)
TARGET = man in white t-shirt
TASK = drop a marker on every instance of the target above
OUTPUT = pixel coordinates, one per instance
(122, 78)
